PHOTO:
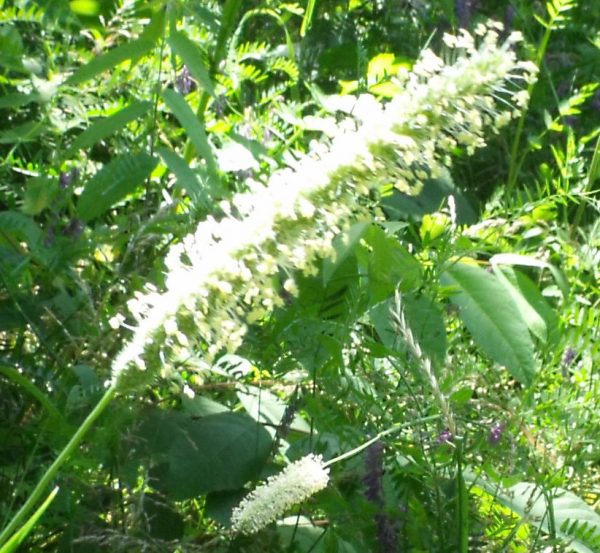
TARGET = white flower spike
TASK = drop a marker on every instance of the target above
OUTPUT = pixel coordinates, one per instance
(226, 274)
(271, 500)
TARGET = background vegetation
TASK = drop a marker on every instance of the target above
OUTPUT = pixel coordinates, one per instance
(124, 123)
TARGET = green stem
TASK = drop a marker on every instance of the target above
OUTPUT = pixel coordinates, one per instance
(462, 501)
(53, 469)
(517, 159)
(365, 445)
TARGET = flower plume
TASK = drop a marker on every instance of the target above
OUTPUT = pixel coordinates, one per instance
(230, 272)
(271, 500)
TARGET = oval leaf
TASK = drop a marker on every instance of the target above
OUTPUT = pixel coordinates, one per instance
(218, 452)
(491, 315)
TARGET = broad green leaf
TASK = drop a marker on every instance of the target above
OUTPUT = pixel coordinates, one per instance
(536, 312)
(218, 452)
(267, 408)
(431, 198)
(528, 261)
(195, 130)
(17, 99)
(186, 178)
(25, 227)
(192, 57)
(38, 195)
(532, 318)
(491, 315)
(575, 522)
(113, 182)
(164, 522)
(108, 125)
(22, 133)
(344, 246)
(85, 7)
(108, 61)
(389, 265)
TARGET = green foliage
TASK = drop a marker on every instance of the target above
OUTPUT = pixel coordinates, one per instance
(124, 124)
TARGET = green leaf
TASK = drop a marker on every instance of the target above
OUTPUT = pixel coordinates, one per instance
(389, 264)
(537, 314)
(529, 261)
(108, 61)
(344, 246)
(218, 452)
(267, 408)
(575, 522)
(25, 227)
(192, 57)
(195, 130)
(186, 178)
(27, 384)
(424, 319)
(491, 315)
(113, 182)
(17, 538)
(17, 99)
(108, 125)
(22, 133)
(38, 195)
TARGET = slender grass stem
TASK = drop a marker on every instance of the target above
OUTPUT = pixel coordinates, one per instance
(53, 469)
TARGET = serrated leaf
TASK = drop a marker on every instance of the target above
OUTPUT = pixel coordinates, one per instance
(492, 317)
(108, 125)
(113, 182)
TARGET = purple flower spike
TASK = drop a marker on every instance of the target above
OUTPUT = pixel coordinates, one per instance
(373, 478)
(496, 433)
(464, 12)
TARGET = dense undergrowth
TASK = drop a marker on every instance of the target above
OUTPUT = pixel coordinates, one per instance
(285, 242)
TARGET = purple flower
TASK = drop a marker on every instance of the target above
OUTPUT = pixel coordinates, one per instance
(74, 228)
(444, 437)
(387, 528)
(387, 533)
(496, 433)
(464, 12)
(569, 357)
(66, 178)
(185, 83)
(509, 17)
